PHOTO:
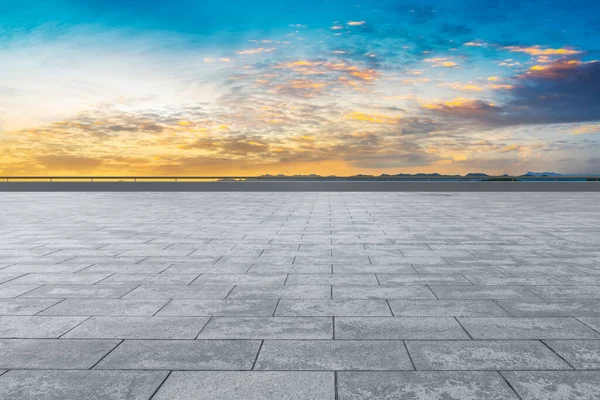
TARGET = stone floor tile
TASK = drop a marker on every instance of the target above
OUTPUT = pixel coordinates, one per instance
(123, 307)
(139, 328)
(268, 328)
(581, 354)
(381, 292)
(554, 385)
(331, 279)
(79, 291)
(179, 292)
(234, 308)
(36, 326)
(70, 279)
(423, 385)
(280, 292)
(405, 269)
(592, 322)
(333, 355)
(249, 385)
(551, 308)
(149, 279)
(183, 355)
(394, 279)
(52, 353)
(241, 279)
(446, 308)
(398, 328)
(527, 328)
(566, 292)
(444, 355)
(315, 308)
(25, 306)
(78, 385)
(482, 292)
(11, 290)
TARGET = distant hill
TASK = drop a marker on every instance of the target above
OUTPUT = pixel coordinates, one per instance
(553, 174)
(470, 174)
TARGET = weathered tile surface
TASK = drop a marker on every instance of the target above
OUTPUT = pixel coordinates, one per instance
(250, 385)
(423, 386)
(267, 294)
(183, 355)
(554, 385)
(77, 385)
(333, 355)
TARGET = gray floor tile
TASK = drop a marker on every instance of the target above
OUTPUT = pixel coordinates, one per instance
(482, 292)
(553, 385)
(139, 328)
(581, 354)
(237, 308)
(78, 385)
(333, 355)
(11, 290)
(420, 385)
(131, 307)
(71, 279)
(241, 279)
(527, 328)
(394, 279)
(398, 328)
(551, 308)
(183, 355)
(526, 280)
(52, 353)
(483, 355)
(150, 279)
(315, 308)
(592, 322)
(179, 292)
(268, 328)
(331, 279)
(380, 292)
(25, 306)
(79, 291)
(280, 292)
(566, 292)
(249, 385)
(446, 308)
(36, 326)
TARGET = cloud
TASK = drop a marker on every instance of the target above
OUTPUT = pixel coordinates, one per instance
(441, 62)
(256, 51)
(540, 51)
(564, 91)
(356, 23)
(469, 87)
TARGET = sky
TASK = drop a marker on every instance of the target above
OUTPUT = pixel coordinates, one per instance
(204, 87)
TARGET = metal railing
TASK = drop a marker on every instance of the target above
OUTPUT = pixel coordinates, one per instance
(150, 178)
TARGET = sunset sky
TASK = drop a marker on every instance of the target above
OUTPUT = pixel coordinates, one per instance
(204, 87)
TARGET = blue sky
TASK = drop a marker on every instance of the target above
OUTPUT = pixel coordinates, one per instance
(329, 87)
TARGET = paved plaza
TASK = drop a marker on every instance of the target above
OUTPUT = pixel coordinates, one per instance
(185, 296)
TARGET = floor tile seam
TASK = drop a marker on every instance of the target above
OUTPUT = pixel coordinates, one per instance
(69, 330)
(543, 341)
(367, 371)
(105, 355)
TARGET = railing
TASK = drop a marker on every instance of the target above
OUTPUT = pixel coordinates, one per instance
(441, 178)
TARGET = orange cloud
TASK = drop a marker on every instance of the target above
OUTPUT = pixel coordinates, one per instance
(440, 62)
(555, 69)
(374, 118)
(539, 51)
(461, 86)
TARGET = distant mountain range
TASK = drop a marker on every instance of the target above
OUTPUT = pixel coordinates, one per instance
(434, 174)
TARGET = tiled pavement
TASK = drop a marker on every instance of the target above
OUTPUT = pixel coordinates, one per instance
(299, 296)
